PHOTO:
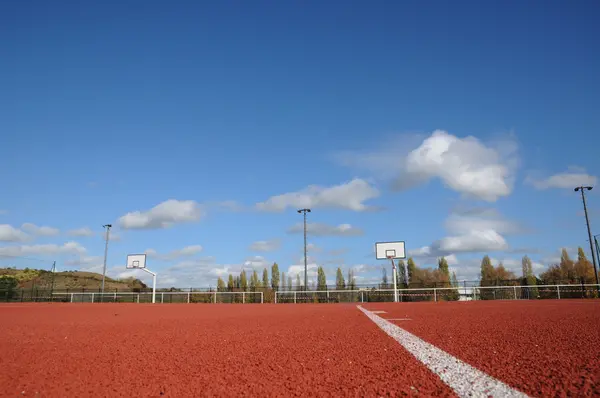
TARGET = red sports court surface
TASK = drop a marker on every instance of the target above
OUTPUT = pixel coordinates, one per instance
(538, 348)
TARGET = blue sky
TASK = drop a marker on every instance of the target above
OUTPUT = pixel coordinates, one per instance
(460, 128)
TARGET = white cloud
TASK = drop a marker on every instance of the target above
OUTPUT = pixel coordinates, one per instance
(8, 233)
(348, 196)
(464, 165)
(39, 231)
(81, 232)
(318, 229)
(163, 215)
(187, 251)
(472, 230)
(48, 249)
(257, 262)
(569, 179)
(3, 212)
(265, 245)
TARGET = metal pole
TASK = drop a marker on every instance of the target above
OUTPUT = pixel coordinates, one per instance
(107, 226)
(305, 259)
(394, 276)
(587, 220)
(52, 284)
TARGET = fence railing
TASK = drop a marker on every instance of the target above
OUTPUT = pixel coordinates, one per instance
(563, 291)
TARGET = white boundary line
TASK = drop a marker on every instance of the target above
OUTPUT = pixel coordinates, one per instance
(465, 380)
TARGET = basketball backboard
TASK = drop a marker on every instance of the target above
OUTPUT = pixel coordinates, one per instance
(136, 261)
(387, 250)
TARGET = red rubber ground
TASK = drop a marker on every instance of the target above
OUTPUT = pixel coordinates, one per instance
(137, 350)
(543, 348)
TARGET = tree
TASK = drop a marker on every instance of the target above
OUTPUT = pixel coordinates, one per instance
(230, 283)
(298, 282)
(290, 282)
(401, 274)
(321, 279)
(411, 267)
(584, 270)
(265, 278)
(454, 280)
(254, 281)
(351, 280)
(444, 271)
(243, 281)
(275, 276)
(283, 287)
(567, 267)
(502, 274)
(488, 273)
(340, 283)
(220, 285)
(384, 279)
(528, 277)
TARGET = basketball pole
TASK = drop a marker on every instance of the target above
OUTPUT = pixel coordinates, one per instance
(107, 226)
(394, 276)
(153, 283)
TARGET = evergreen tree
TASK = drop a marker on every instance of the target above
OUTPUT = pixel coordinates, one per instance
(351, 281)
(283, 280)
(220, 285)
(340, 283)
(243, 281)
(290, 287)
(584, 270)
(238, 283)
(454, 280)
(275, 276)
(321, 279)
(265, 278)
(401, 274)
(230, 283)
(567, 268)
(298, 282)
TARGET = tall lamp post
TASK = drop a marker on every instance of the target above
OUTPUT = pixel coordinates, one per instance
(108, 227)
(305, 262)
(587, 220)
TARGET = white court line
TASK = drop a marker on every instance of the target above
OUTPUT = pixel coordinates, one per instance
(398, 319)
(378, 312)
(465, 380)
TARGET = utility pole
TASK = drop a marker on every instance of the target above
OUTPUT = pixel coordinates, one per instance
(108, 227)
(52, 283)
(305, 260)
(587, 220)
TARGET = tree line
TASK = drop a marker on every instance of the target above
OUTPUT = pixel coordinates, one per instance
(409, 275)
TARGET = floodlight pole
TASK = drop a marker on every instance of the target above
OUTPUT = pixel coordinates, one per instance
(305, 260)
(394, 276)
(587, 221)
(153, 283)
(108, 227)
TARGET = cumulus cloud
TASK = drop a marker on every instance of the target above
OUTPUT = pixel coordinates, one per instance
(39, 230)
(174, 254)
(471, 231)
(569, 179)
(265, 245)
(465, 165)
(81, 232)
(257, 262)
(347, 196)
(318, 229)
(163, 215)
(8, 233)
(48, 249)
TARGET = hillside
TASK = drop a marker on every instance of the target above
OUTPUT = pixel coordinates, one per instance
(41, 279)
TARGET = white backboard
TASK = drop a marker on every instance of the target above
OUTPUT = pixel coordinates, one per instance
(385, 250)
(136, 261)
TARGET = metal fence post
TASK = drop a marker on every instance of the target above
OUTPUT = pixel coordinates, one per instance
(138, 298)
(361, 297)
(215, 296)
(93, 297)
(558, 291)
(71, 297)
(294, 297)
(162, 298)
(515, 291)
(435, 295)
(188, 297)
(275, 297)
(243, 297)
(328, 296)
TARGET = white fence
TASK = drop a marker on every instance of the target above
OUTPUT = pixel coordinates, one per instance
(161, 297)
(442, 294)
